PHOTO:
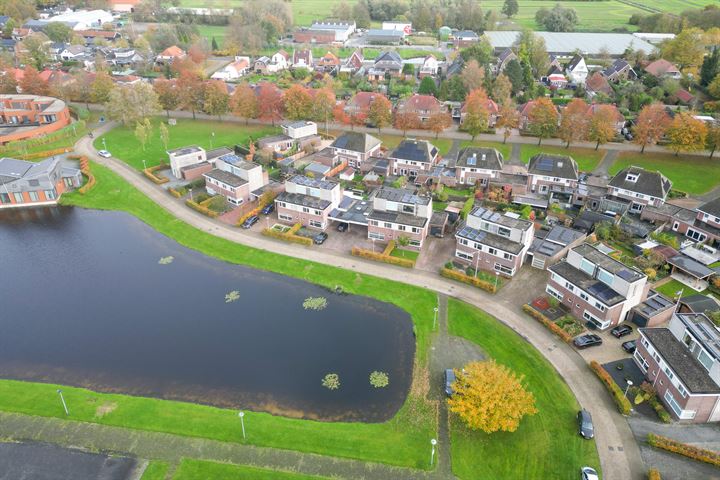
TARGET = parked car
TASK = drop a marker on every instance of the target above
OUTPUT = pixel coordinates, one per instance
(342, 227)
(585, 424)
(630, 346)
(588, 473)
(268, 209)
(621, 331)
(104, 154)
(449, 380)
(320, 238)
(587, 340)
(250, 222)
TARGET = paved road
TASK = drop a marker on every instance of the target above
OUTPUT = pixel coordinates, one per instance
(619, 453)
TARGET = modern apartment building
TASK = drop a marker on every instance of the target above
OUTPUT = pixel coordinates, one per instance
(27, 116)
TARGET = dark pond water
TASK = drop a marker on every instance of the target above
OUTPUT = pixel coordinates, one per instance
(84, 302)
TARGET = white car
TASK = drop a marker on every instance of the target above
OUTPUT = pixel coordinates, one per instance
(588, 473)
(104, 154)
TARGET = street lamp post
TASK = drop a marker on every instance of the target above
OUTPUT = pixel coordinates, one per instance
(242, 422)
(373, 244)
(190, 190)
(212, 137)
(435, 311)
(433, 442)
(629, 384)
(477, 261)
(497, 275)
(62, 399)
(144, 165)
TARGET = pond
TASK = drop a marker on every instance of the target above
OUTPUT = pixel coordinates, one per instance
(93, 299)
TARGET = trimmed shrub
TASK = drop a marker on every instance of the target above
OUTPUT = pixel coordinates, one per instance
(287, 236)
(381, 257)
(390, 247)
(64, 132)
(653, 474)
(294, 229)
(85, 169)
(264, 200)
(461, 277)
(174, 193)
(690, 451)
(469, 204)
(621, 402)
(150, 173)
(44, 154)
(564, 336)
(201, 208)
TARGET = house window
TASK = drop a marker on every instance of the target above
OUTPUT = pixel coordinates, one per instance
(34, 197)
(644, 365)
(492, 251)
(18, 197)
(682, 390)
(508, 256)
(282, 204)
(570, 286)
(402, 228)
(408, 208)
(592, 318)
(672, 402)
(463, 255)
(668, 373)
(463, 241)
(287, 218)
(387, 225)
(376, 236)
(414, 243)
(695, 235)
(4, 198)
(415, 230)
(503, 232)
(599, 306)
(587, 266)
(305, 210)
(584, 296)
(605, 277)
(315, 223)
(705, 360)
(503, 269)
(551, 291)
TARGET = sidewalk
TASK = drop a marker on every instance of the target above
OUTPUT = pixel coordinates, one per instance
(619, 454)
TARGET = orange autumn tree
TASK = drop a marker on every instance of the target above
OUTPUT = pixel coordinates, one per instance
(438, 122)
(477, 116)
(686, 133)
(490, 397)
(651, 125)
(298, 102)
(603, 124)
(543, 118)
(574, 122)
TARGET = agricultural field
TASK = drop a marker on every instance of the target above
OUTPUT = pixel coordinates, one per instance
(219, 32)
(673, 6)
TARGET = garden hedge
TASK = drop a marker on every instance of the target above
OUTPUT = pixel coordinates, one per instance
(690, 451)
(287, 236)
(201, 208)
(653, 474)
(44, 154)
(381, 257)
(622, 403)
(564, 336)
(150, 173)
(461, 277)
(85, 169)
(390, 247)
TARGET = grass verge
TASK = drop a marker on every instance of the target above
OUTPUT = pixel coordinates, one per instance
(546, 445)
(199, 470)
(586, 158)
(155, 471)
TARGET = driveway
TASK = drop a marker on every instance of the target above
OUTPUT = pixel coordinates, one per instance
(435, 253)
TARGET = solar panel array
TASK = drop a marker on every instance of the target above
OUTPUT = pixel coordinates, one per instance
(545, 164)
(471, 233)
(603, 292)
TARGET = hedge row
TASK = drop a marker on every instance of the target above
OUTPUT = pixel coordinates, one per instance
(461, 277)
(85, 169)
(390, 247)
(622, 403)
(262, 202)
(200, 208)
(662, 413)
(287, 236)
(67, 131)
(150, 173)
(690, 451)
(653, 474)
(44, 154)
(381, 257)
(552, 326)
(174, 192)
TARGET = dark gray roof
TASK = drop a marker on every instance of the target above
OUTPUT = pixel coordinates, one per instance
(185, 150)
(703, 330)
(563, 236)
(218, 152)
(389, 55)
(712, 207)
(399, 218)
(303, 200)
(490, 239)
(356, 142)
(693, 267)
(691, 372)
(314, 182)
(415, 150)
(225, 177)
(401, 196)
(700, 303)
(11, 169)
(654, 304)
(475, 157)
(649, 183)
(505, 54)
(574, 62)
(591, 285)
(617, 66)
(561, 166)
(608, 263)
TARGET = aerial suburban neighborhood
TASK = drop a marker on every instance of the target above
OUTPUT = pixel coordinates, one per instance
(359, 239)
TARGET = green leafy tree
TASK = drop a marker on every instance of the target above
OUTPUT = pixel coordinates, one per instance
(514, 72)
(427, 86)
(164, 135)
(58, 32)
(216, 100)
(510, 8)
(143, 130)
(481, 51)
(557, 19)
(710, 67)
(214, 45)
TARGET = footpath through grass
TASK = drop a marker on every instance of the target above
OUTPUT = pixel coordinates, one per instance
(122, 143)
(691, 174)
(586, 158)
(401, 441)
(199, 470)
(547, 444)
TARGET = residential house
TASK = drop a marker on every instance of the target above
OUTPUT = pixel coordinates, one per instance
(682, 363)
(465, 38)
(557, 80)
(91, 36)
(656, 310)
(358, 106)
(190, 156)
(399, 213)
(491, 107)
(478, 166)
(26, 184)
(549, 246)
(308, 201)
(295, 134)
(595, 287)
(325, 32)
(28, 116)
(171, 54)
(234, 70)
(354, 63)
(632, 188)
(328, 63)
(280, 60)
(355, 148)
(663, 69)
(553, 175)
(703, 226)
(597, 84)
(121, 57)
(235, 178)
(619, 70)
(492, 241)
(414, 159)
(525, 110)
(313, 36)
(423, 106)
(430, 67)
(303, 59)
(387, 65)
(503, 59)
(73, 53)
(577, 70)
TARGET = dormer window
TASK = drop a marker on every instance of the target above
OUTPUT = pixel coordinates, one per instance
(631, 177)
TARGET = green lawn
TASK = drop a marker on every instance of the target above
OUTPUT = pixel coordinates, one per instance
(547, 444)
(219, 32)
(694, 175)
(409, 254)
(504, 148)
(586, 158)
(121, 141)
(670, 289)
(66, 141)
(155, 471)
(676, 6)
(199, 470)
(400, 441)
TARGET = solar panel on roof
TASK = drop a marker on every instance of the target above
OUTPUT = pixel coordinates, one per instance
(472, 160)
(545, 164)
(602, 291)
(626, 274)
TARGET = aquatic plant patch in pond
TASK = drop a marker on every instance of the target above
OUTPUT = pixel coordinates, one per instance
(331, 381)
(232, 296)
(166, 260)
(379, 379)
(315, 303)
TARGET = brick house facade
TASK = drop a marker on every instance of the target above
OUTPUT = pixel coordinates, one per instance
(399, 213)
(28, 116)
(308, 201)
(479, 166)
(355, 148)
(636, 187)
(414, 159)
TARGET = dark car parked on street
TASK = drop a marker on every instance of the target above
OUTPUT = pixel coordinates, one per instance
(587, 340)
(449, 380)
(268, 209)
(585, 424)
(250, 222)
(320, 238)
(630, 346)
(621, 331)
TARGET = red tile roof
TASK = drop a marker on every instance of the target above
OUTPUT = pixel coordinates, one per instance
(598, 84)
(362, 100)
(173, 51)
(419, 102)
(661, 67)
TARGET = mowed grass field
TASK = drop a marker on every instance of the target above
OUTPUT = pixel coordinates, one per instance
(675, 6)
(199, 470)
